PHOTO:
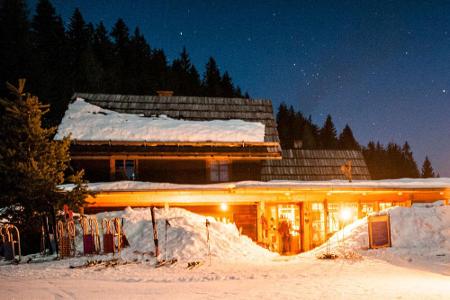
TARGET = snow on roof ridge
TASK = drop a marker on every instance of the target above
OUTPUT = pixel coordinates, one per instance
(85, 121)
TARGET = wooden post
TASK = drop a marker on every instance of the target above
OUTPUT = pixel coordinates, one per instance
(306, 226)
(325, 217)
(112, 168)
(260, 212)
(360, 212)
(155, 231)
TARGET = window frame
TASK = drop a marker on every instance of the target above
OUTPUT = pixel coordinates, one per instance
(219, 170)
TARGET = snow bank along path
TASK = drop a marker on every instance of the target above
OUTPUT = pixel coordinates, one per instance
(186, 236)
(420, 236)
(88, 122)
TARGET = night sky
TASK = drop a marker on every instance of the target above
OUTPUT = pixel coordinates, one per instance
(383, 68)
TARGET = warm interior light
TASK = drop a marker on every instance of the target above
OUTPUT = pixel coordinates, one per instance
(345, 214)
(400, 193)
(223, 206)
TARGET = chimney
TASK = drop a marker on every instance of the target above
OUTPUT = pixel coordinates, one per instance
(165, 93)
(298, 144)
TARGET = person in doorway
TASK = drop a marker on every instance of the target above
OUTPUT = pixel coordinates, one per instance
(285, 234)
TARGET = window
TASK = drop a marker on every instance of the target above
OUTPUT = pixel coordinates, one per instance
(219, 171)
(125, 169)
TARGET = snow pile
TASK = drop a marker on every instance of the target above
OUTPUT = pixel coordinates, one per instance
(419, 233)
(186, 236)
(88, 122)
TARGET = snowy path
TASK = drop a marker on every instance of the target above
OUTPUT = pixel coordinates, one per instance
(305, 278)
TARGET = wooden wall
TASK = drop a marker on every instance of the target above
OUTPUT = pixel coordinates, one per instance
(243, 215)
(174, 171)
(95, 170)
(169, 170)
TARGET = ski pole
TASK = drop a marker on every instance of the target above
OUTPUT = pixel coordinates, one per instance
(165, 238)
(207, 240)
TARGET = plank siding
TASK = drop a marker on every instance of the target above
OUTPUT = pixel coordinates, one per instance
(94, 170)
(173, 171)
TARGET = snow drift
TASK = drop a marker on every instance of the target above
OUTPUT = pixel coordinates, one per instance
(186, 236)
(88, 122)
(420, 233)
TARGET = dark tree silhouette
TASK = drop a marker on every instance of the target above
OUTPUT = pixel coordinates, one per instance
(427, 169)
(347, 140)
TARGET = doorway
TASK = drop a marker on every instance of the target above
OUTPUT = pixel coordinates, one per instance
(282, 231)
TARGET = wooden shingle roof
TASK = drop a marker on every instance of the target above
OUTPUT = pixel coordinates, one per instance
(300, 164)
(191, 108)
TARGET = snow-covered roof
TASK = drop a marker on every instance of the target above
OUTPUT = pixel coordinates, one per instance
(88, 122)
(405, 183)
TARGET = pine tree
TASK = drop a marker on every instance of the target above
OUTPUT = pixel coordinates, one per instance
(327, 135)
(410, 169)
(15, 47)
(31, 163)
(138, 74)
(49, 65)
(184, 78)
(212, 79)
(346, 139)
(104, 52)
(283, 126)
(308, 137)
(76, 197)
(159, 70)
(84, 69)
(427, 169)
(226, 86)
(121, 40)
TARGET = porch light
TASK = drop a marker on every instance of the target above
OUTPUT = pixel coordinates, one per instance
(345, 214)
(223, 206)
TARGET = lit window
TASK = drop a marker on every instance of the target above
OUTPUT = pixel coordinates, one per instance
(218, 171)
(125, 169)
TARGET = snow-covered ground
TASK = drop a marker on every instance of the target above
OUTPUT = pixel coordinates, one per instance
(87, 122)
(416, 267)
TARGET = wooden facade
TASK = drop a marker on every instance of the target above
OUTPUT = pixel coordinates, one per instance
(313, 210)
(177, 170)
